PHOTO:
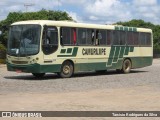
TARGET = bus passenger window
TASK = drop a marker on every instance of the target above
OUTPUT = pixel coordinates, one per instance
(93, 36)
(130, 38)
(89, 36)
(98, 37)
(85, 36)
(74, 36)
(122, 38)
(82, 36)
(103, 37)
(142, 39)
(68, 36)
(148, 39)
(109, 37)
(136, 38)
(116, 37)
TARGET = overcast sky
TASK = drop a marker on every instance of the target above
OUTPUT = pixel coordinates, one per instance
(90, 11)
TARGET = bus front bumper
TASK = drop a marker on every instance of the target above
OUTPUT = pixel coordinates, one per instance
(33, 68)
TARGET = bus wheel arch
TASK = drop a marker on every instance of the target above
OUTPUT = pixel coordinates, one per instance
(126, 65)
(67, 69)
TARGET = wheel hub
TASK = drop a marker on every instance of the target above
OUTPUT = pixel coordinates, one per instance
(66, 69)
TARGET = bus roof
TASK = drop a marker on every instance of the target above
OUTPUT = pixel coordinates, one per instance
(83, 25)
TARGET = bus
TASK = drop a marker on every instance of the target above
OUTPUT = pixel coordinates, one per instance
(64, 47)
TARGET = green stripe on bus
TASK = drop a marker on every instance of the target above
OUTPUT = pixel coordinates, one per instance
(116, 28)
(111, 55)
(116, 54)
(121, 28)
(131, 49)
(69, 50)
(126, 28)
(122, 52)
(130, 29)
(37, 68)
(135, 29)
(63, 51)
(126, 50)
(75, 50)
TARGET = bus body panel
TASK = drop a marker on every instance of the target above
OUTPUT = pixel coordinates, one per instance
(84, 58)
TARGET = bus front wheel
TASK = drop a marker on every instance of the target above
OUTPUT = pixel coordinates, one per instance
(66, 70)
(38, 75)
(126, 67)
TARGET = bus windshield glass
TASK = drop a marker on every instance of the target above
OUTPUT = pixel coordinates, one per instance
(24, 40)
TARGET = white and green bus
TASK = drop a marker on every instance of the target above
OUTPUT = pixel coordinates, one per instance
(62, 47)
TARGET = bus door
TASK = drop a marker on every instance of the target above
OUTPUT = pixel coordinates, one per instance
(49, 43)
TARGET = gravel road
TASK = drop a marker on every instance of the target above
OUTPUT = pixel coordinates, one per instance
(111, 91)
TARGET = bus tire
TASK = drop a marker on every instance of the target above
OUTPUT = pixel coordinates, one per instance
(67, 70)
(38, 75)
(126, 67)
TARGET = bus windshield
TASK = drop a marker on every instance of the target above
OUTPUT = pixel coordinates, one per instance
(24, 40)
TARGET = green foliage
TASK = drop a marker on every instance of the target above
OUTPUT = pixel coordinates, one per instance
(156, 49)
(19, 16)
(137, 23)
(2, 47)
(2, 54)
(2, 61)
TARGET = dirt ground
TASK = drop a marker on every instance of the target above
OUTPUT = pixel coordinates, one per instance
(141, 95)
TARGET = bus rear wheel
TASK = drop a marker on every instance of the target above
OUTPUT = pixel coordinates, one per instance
(126, 67)
(38, 75)
(66, 70)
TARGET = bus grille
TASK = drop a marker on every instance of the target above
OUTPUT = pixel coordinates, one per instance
(20, 62)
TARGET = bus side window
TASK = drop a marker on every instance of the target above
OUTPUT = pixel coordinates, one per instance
(148, 39)
(142, 39)
(102, 37)
(82, 36)
(74, 36)
(93, 37)
(68, 36)
(116, 37)
(90, 37)
(136, 38)
(109, 37)
(130, 38)
(98, 37)
(122, 36)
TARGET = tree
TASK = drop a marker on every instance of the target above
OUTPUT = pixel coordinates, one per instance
(19, 16)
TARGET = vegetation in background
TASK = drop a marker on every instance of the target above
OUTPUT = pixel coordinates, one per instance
(2, 53)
